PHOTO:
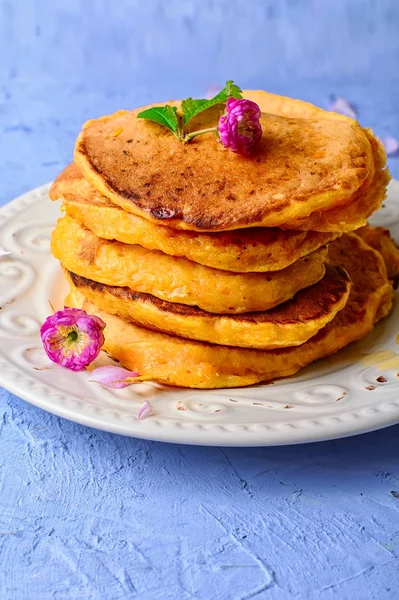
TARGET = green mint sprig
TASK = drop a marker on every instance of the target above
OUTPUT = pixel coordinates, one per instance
(167, 115)
(191, 108)
(164, 115)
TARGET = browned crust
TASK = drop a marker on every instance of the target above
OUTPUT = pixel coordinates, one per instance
(258, 249)
(191, 363)
(309, 304)
(68, 185)
(300, 165)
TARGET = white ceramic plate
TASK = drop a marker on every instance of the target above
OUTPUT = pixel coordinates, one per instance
(347, 394)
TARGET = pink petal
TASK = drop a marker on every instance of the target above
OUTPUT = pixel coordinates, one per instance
(111, 376)
(145, 411)
(391, 145)
(3, 252)
(343, 107)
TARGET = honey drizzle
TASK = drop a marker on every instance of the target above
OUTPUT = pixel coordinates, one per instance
(383, 360)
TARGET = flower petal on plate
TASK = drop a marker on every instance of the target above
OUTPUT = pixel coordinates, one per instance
(342, 107)
(391, 145)
(115, 377)
(145, 411)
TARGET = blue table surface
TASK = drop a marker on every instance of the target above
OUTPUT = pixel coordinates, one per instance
(92, 516)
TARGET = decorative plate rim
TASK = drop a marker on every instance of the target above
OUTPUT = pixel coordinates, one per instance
(173, 427)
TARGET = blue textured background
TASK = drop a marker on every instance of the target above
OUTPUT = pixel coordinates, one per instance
(85, 515)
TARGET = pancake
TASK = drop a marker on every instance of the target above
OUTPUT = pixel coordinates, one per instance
(354, 215)
(380, 239)
(289, 324)
(178, 279)
(301, 165)
(246, 250)
(174, 361)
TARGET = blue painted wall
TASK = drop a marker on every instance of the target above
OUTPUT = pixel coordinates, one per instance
(65, 60)
(85, 515)
(130, 45)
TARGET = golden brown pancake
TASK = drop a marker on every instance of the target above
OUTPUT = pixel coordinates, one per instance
(380, 239)
(246, 250)
(175, 361)
(290, 107)
(289, 324)
(178, 279)
(354, 215)
(300, 166)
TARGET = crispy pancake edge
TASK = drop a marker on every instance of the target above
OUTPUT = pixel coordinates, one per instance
(240, 251)
(177, 279)
(370, 302)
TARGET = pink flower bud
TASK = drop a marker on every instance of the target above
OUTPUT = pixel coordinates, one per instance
(72, 338)
(239, 128)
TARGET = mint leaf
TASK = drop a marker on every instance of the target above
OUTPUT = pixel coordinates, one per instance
(230, 90)
(167, 115)
(191, 108)
(164, 115)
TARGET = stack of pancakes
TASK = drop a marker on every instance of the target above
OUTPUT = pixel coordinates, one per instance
(212, 269)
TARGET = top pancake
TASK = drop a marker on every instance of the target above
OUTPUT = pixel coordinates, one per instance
(301, 165)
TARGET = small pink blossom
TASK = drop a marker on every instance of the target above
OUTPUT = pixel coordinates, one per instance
(72, 338)
(391, 145)
(145, 411)
(343, 107)
(115, 377)
(239, 128)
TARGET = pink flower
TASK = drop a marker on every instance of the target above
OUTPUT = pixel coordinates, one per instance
(72, 338)
(239, 128)
(111, 376)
